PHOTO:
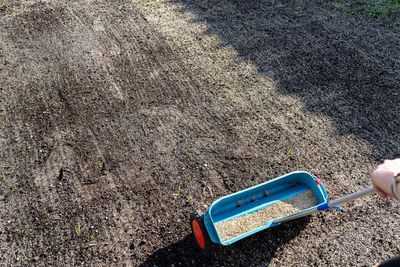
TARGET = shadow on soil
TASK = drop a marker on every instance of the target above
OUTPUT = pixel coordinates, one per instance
(340, 68)
(260, 247)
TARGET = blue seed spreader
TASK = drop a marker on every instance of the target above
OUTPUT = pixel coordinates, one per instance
(258, 197)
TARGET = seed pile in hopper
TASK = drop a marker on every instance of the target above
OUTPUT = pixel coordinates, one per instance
(237, 226)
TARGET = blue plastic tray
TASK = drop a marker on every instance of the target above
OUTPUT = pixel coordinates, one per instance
(254, 198)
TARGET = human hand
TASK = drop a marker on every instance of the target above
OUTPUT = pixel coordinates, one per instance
(383, 175)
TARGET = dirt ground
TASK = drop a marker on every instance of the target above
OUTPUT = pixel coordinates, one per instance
(120, 118)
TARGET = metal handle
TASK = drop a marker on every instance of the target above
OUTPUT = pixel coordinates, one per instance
(353, 196)
(325, 205)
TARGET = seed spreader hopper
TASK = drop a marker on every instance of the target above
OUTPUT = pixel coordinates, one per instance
(254, 209)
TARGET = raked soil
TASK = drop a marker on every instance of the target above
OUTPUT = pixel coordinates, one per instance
(120, 118)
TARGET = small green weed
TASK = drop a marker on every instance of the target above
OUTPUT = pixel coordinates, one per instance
(188, 178)
(205, 194)
(78, 230)
(343, 7)
(90, 243)
(384, 12)
(146, 132)
(8, 7)
(290, 150)
(179, 189)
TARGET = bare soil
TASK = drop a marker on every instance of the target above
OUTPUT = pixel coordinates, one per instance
(120, 118)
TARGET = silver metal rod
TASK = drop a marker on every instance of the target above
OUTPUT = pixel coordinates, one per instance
(350, 197)
(296, 215)
(331, 204)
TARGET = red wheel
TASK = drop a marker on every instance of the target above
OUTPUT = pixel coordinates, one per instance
(199, 231)
(198, 234)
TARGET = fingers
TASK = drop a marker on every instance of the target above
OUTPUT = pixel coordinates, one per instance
(378, 190)
(382, 177)
(380, 193)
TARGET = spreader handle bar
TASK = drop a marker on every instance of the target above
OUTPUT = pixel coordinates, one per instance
(350, 197)
(326, 205)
